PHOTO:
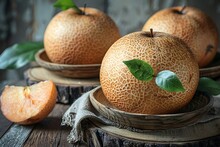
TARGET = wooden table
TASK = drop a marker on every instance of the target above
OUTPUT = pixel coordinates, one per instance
(47, 133)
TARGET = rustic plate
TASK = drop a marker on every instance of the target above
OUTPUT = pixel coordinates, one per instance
(200, 104)
(213, 69)
(67, 70)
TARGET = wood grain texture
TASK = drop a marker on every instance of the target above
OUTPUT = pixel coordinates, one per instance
(4, 28)
(180, 135)
(69, 89)
(16, 136)
(105, 139)
(49, 132)
(39, 74)
(5, 125)
(67, 70)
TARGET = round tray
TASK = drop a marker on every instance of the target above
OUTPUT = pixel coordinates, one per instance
(200, 104)
(213, 69)
(67, 70)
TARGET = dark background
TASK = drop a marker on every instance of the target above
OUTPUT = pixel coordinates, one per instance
(26, 20)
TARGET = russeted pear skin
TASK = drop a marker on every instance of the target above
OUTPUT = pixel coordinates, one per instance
(72, 38)
(192, 25)
(162, 52)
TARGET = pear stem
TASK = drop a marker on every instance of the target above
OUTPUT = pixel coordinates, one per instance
(151, 32)
(84, 10)
(183, 8)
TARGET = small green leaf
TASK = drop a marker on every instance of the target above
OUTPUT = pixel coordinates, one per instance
(66, 4)
(208, 85)
(169, 81)
(19, 55)
(140, 69)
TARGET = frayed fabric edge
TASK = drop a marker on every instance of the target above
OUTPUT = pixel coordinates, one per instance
(68, 120)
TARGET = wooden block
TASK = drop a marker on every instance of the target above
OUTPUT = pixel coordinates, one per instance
(69, 89)
(99, 135)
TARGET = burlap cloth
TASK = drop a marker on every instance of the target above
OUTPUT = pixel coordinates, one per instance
(82, 109)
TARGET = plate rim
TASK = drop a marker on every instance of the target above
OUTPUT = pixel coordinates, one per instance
(209, 104)
(40, 60)
(210, 68)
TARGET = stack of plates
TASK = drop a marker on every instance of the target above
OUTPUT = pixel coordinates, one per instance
(200, 104)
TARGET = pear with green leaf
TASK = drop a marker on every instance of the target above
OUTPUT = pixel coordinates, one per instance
(149, 73)
(79, 35)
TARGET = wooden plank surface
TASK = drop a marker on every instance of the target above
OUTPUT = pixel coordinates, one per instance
(49, 132)
(45, 133)
(5, 125)
(16, 136)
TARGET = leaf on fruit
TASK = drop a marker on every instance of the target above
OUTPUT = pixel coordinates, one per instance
(140, 69)
(19, 55)
(208, 85)
(169, 81)
(66, 4)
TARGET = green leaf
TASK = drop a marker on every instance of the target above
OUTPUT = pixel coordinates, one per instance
(19, 55)
(66, 4)
(169, 81)
(140, 69)
(208, 85)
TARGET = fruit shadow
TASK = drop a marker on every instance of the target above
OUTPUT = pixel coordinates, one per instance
(51, 123)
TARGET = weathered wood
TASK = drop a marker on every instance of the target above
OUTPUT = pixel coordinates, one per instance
(69, 89)
(5, 125)
(106, 136)
(49, 132)
(4, 28)
(16, 136)
(12, 134)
